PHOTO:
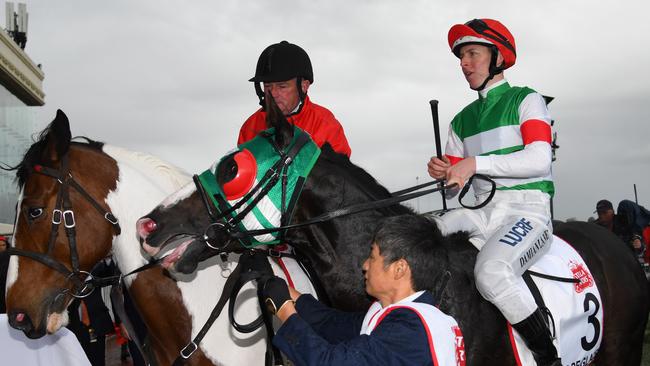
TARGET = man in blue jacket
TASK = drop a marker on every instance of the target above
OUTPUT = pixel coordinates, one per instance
(403, 327)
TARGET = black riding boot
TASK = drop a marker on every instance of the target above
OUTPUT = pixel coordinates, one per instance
(537, 336)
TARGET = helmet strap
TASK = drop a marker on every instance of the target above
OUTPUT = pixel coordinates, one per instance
(301, 96)
(260, 94)
(494, 69)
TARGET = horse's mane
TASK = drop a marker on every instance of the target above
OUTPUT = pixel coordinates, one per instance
(365, 182)
(149, 165)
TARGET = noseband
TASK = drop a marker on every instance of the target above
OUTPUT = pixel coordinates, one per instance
(63, 214)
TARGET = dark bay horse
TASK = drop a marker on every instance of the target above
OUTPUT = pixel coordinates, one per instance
(126, 184)
(336, 248)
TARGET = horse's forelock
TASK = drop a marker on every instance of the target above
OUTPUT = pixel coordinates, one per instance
(275, 118)
(33, 156)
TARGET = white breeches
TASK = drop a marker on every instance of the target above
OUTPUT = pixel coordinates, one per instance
(512, 232)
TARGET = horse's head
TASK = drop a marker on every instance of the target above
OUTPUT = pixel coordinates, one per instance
(59, 234)
(201, 218)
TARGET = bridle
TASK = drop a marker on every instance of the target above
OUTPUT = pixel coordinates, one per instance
(83, 282)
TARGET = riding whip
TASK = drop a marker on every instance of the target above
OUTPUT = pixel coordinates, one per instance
(436, 136)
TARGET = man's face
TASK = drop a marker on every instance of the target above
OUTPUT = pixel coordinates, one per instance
(475, 63)
(378, 276)
(606, 215)
(285, 93)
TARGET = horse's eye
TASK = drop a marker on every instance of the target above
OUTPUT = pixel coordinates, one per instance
(35, 212)
(233, 168)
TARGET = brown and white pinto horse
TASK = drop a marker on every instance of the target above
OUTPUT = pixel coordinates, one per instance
(126, 184)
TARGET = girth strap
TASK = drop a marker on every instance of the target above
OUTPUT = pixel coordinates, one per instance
(537, 295)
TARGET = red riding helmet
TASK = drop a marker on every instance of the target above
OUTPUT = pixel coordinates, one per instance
(486, 32)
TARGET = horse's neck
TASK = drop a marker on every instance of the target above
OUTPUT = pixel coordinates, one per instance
(163, 175)
(337, 248)
(144, 181)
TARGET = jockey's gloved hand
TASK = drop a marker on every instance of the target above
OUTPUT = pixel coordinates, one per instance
(275, 293)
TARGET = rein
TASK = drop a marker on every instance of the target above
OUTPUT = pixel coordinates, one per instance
(64, 214)
(397, 197)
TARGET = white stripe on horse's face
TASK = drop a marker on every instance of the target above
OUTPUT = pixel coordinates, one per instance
(179, 195)
(12, 271)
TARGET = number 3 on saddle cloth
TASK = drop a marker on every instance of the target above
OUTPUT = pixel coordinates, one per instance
(576, 311)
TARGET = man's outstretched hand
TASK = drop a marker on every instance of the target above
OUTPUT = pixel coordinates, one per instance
(277, 298)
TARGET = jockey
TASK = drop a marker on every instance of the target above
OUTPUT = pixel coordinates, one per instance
(285, 71)
(506, 135)
(403, 327)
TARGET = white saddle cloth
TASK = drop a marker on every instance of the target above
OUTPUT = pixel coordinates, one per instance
(576, 307)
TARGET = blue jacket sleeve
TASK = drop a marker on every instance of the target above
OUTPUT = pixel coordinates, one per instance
(400, 339)
(331, 324)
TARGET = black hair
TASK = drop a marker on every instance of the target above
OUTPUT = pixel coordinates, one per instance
(418, 241)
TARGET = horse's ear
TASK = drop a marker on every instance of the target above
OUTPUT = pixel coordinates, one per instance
(275, 118)
(58, 137)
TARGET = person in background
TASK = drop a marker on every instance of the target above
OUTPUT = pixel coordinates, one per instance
(646, 239)
(631, 220)
(90, 321)
(284, 70)
(605, 211)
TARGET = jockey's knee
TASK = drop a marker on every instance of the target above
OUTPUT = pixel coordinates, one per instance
(493, 278)
(498, 284)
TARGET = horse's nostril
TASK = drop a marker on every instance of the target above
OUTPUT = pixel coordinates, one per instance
(150, 226)
(146, 226)
(21, 321)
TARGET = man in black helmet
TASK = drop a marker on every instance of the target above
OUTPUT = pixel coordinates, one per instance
(285, 71)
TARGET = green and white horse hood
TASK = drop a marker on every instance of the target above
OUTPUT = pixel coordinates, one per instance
(258, 160)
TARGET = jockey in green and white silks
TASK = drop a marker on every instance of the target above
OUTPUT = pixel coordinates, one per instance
(514, 229)
(506, 135)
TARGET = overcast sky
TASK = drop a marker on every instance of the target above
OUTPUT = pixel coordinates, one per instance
(170, 78)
